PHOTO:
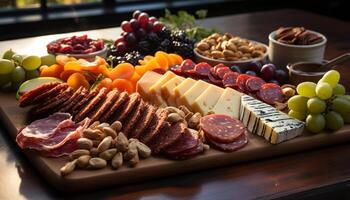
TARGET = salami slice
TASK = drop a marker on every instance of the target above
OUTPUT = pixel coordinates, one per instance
(270, 93)
(186, 142)
(176, 69)
(241, 81)
(230, 78)
(254, 84)
(217, 67)
(222, 71)
(215, 80)
(221, 128)
(240, 142)
(189, 153)
(187, 65)
(202, 69)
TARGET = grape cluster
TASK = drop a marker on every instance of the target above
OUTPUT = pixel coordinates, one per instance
(131, 57)
(322, 105)
(15, 68)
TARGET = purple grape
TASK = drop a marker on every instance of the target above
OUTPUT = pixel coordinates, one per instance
(141, 33)
(255, 66)
(252, 73)
(236, 68)
(136, 14)
(281, 76)
(274, 81)
(121, 47)
(149, 27)
(134, 24)
(268, 72)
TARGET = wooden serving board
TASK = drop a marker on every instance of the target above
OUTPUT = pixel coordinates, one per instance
(14, 118)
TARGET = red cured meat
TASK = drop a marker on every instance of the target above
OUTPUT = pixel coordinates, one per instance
(159, 71)
(217, 67)
(190, 153)
(254, 84)
(222, 71)
(221, 128)
(187, 65)
(241, 81)
(215, 80)
(229, 79)
(186, 142)
(270, 93)
(202, 69)
(240, 142)
(176, 69)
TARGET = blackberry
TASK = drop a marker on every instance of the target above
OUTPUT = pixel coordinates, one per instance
(165, 45)
(153, 38)
(144, 47)
(183, 49)
(165, 33)
(131, 57)
(178, 36)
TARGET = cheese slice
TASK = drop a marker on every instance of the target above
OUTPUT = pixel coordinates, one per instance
(182, 88)
(265, 120)
(229, 103)
(155, 90)
(191, 95)
(207, 100)
(147, 80)
(168, 92)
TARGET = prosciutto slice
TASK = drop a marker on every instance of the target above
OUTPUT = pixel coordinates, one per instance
(53, 136)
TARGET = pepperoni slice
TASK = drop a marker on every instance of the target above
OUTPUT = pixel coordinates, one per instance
(218, 66)
(213, 73)
(202, 69)
(185, 143)
(187, 65)
(221, 128)
(254, 84)
(229, 79)
(191, 152)
(240, 142)
(222, 71)
(215, 80)
(176, 69)
(241, 81)
(270, 93)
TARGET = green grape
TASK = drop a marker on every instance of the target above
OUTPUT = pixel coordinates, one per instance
(8, 54)
(347, 97)
(48, 60)
(18, 59)
(6, 66)
(307, 89)
(31, 62)
(298, 103)
(32, 74)
(4, 79)
(331, 77)
(339, 89)
(315, 123)
(297, 115)
(334, 121)
(18, 75)
(324, 90)
(341, 105)
(316, 105)
(346, 117)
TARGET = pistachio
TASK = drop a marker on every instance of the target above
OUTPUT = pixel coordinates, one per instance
(97, 163)
(94, 152)
(91, 134)
(257, 54)
(117, 126)
(212, 42)
(68, 168)
(105, 144)
(84, 143)
(117, 160)
(108, 154)
(144, 150)
(131, 152)
(244, 49)
(193, 122)
(110, 132)
(79, 152)
(174, 117)
(224, 45)
(83, 161)
(134, 161)
(203, 46)
(217, 54)
(228, 53)
(122, 142)
(95, 143)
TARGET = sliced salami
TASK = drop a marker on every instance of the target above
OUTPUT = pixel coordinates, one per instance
(240, 142)
(221, 128)
(222, 71)
(241, 81)
(217, 67)
(229, 79)
(185, 143)
(254, 84)
(176, 69)
(189, 153)
(187, 65)
(215, 80)
(270, 93)
(202, 69)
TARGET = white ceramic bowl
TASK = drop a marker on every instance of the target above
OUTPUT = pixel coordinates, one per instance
(281, 54)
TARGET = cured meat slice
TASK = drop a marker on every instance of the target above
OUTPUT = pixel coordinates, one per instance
(270, 93)
(222, 71)
(221, 128)
(241, 81)
(158, 123)
(229, 79)
(215, 80)
(240, 142)
(190, 153)
(159, 71)
(71, 98)
(28, 97)
(144, 122)
(94, 101)
(123, 97)
(126, 108)
(81, 96)
(217, 67)
(254, 84)
(202, 69)
(49, 106)
(112, 96)
(176, 69)
(133, 117)
(185, 143)
(167, 137)
(47, 95)
(187, 65)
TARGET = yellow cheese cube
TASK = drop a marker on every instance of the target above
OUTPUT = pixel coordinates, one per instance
(168, 92)
(229, 103)
(155, 90)
(191, 95)
(182, 88)
(147, 80)
(207, 100)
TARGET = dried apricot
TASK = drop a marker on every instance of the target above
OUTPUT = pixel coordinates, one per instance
(122, 71)
(176, 58)
(151, 65)
(103, 70)
(76, 80)
(66, 74)
(123, 85)
(140, 69)
(106, 82)
(72, 65)
(52, 71)
(63, 59)
(134, 78)
(162, 59)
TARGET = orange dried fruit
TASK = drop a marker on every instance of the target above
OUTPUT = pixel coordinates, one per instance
(72, 65)
(76, 80)
(66, 74)
(106, 82)
(52, 71)
(140, 69)
(63, 59)
(122, 71)
(176, 58)
(153, 64)
(123, 85)
(103, 70)
(162, 59)
(135, 77)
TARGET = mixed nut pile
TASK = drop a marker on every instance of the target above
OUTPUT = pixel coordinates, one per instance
(230, 48)
(102, 144)
(297, 36)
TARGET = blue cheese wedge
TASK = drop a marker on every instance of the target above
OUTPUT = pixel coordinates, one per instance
(268, 122)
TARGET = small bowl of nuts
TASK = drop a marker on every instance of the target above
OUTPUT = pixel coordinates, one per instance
(230, 50)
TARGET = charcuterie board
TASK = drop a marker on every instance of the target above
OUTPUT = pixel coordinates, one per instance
(14, 118)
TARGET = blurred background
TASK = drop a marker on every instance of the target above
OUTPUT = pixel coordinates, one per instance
(24, 18)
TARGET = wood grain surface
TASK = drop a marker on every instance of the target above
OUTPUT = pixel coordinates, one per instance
(270, 178)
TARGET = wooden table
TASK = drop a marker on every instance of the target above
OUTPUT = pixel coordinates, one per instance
(306, 175)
